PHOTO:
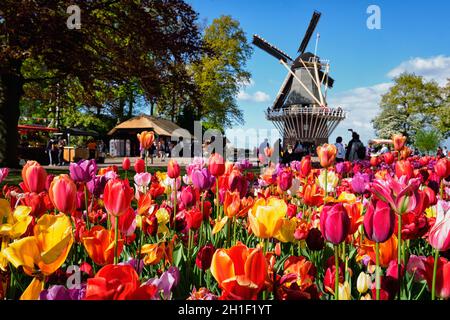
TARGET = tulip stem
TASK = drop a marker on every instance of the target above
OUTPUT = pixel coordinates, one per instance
(399, 255)
(116, 240)
(377, 270)
(433, 284)
(336, 272)
(326, 185)
(86, 200)
(217, 198)
(174, 203)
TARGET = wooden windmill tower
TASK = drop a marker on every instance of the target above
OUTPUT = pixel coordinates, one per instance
(300, 111)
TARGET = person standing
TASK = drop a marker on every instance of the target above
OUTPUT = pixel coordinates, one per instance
(92, 146)
(49, 150)
(355, 149)
(340, 156)
(61, 145)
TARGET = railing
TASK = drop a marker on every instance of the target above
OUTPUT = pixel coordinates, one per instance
(298, 110)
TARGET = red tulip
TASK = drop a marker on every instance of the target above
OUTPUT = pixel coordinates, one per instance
(442, 168)
(216, 165)
(379, 221)
(206, 210)
(327, 154)
(118, 282)
(442, 276)
(117, 196)
(237, 182)
(139, 165)
(126, 164)
(173, 169)
(34, 177)
(150, 224)
(389, 158)
(204, 256)
(334, 223)
(404, 168)
(432, 199)
(194, 218)
(63, 194)
(374, 161)
(305, 166)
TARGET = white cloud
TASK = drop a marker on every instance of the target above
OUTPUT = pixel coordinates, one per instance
(258, 96)
(434, 68)
(362, 106)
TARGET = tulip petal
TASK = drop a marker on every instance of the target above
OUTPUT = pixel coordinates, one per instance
(33, 290)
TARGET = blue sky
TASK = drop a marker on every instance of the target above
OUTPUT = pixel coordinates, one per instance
(414, 37)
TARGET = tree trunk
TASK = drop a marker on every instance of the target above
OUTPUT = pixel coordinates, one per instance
(12, 90)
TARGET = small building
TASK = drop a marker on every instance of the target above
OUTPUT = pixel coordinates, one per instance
(124, 136)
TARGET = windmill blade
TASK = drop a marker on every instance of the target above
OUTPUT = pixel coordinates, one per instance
(330, 79)
(312, 25)
(271, 49)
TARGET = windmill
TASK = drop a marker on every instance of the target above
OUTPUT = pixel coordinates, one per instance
(300, 111)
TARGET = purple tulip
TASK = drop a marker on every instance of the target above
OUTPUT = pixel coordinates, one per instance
(168, 280)
(59, 292)
(360, 182)
(97, 185)
(202, 179)
(83, 171)
(134, 264)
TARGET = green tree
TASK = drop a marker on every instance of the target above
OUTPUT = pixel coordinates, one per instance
(427, 140)
(411, 104)
(119, 40)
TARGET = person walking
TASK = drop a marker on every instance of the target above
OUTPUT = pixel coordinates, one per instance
(340, 156)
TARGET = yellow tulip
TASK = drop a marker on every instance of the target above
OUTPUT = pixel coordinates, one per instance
(44, 252)
(363, 283)
(344, 291)
(266, 216)
(13, 224)
(286, 232)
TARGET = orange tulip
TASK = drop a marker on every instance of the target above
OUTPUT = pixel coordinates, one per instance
(63, 194)
(99, 244)
(399, 141)
(232, 203)
(34, 177)
(240, 272)
(388, 250)
(312, 195)
(354, 213)
(146, 139)
(327, 154)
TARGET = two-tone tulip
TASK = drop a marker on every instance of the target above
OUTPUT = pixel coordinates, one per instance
(63, 194)
(327, 154)
(34, 177)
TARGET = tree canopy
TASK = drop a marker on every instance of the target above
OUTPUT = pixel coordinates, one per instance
(413, 104)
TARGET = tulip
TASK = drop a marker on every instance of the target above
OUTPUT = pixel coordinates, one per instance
(354, 214)
(442, 168)
(360, 182)
(142, 179)
(43, 252)
(204, 257)
(97, 185)
(146, 139)
(126, 164)
(237, 182)
(327, 154)
(231, 204)
(188, 196)
(173, 169)
(387, 250)
(399, 141)
(315, 240)
(363, 283)
(216, 165)
(63, 194)
(194, 218)
(266, 216)
(240, 272)
(327, 180)
(139, 165)
(117, 196)
(334, 223)
(312, 196)
(83, 170)
(440, 273)
(344, 291)
(99, 244)
(13, 224)
(404, 168)
(3, 174)
(166, 282)
(374, 161)
(118, 282)
(60, 292)
(305, 166)
(284, 180)
(439, 235)
(388, 158)
(202, 179)
(379, 221)
(34, 177)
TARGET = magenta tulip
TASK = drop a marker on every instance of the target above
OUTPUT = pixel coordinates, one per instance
(202, 179)
(334, 223)
(379, 221)
(187, 196)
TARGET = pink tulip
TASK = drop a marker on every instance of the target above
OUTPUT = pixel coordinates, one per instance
(188, 196)
(34, 177)
(285, 180)
(117, 197)
(3, 174)
(439, 235)
(379, 221)
(63, 194)
(334, 223)
(142, 179)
